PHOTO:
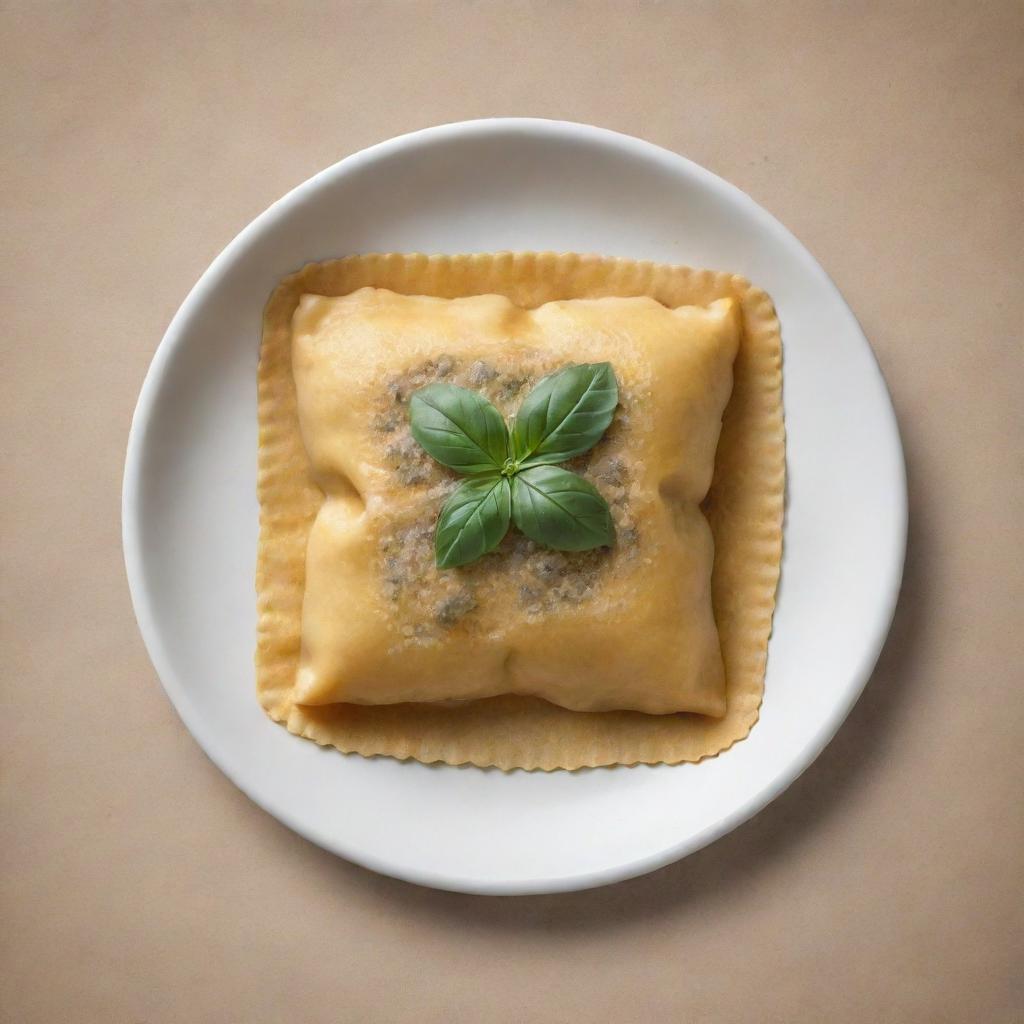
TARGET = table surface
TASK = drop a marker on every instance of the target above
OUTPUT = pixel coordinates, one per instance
(139, 886)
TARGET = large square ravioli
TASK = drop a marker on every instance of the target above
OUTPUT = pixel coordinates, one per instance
(650, 650)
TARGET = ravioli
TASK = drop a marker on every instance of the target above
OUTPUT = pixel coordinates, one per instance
(650, 650)
(382, 625)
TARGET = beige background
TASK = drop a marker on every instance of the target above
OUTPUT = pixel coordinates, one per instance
(138, 885)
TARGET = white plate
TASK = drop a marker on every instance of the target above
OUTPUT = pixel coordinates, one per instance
(190, 513)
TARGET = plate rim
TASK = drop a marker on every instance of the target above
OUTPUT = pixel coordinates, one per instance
(134, 557)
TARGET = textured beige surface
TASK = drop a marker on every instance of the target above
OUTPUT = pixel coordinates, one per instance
(137, 885)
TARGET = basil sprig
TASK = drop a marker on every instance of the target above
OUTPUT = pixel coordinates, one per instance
(512, 476)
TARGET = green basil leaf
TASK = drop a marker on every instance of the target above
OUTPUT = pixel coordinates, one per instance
(560, 509)
(472, 521)
(565, 414)
(459, 428)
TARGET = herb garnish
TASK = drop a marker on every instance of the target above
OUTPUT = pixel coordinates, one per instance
(512, 474)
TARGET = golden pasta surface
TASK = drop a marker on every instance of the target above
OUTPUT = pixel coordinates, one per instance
(651, 650)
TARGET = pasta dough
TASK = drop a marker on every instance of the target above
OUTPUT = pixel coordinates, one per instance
(364, 645)
(381, 624)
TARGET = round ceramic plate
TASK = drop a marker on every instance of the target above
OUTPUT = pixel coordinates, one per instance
(190, 512)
